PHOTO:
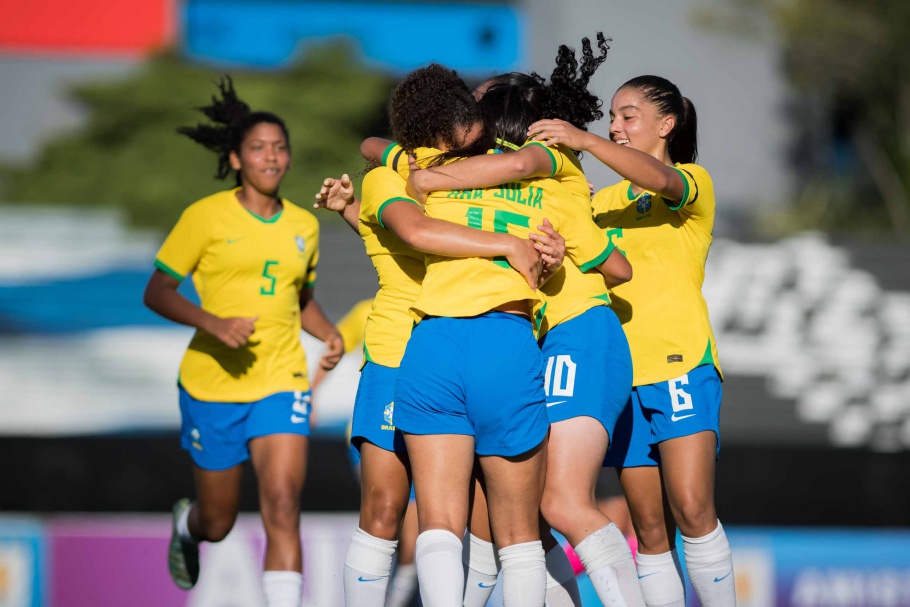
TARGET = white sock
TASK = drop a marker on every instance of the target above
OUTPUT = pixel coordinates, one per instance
(282, 588)
(608, 563)
(481, 566)
(402, 586)
(367, 566)
(439, 571)
(183, 526)
(710, 566)
(562, 589)
(524, 575)
(660, 576)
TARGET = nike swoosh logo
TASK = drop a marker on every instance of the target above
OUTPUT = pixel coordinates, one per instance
(676, 418)
(233, 240)
(648, 574)
(720, 579)
(375, 579)
(559, 402)
(481, 585)
(296, 419)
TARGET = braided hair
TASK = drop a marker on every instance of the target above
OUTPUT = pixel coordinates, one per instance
(232, 120)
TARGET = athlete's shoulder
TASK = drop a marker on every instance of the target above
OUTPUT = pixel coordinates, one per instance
(213, 204)
(610, 196)
(299, 215)
(697, 172)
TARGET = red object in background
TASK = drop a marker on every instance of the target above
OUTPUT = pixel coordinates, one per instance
(117, 28)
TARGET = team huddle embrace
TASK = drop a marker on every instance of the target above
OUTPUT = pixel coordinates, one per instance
(525, 334)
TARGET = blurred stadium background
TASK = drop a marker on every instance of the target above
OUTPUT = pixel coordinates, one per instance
(805, 127)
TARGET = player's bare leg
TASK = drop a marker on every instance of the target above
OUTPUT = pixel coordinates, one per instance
(385, 488)
(514, 487)
(577, 449)
(688, 472)
(280, 464)
(441, 465)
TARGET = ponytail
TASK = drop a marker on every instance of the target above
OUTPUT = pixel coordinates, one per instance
(682, 144)
(232, 120)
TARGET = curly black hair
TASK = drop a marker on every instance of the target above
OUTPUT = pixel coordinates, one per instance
(431, 106)
(232, 120)
(512, 102)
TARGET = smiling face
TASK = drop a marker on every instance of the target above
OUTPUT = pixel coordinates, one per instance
(637, 123)
(264, 158)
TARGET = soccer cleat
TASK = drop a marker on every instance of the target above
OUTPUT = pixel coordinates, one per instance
(182, 556)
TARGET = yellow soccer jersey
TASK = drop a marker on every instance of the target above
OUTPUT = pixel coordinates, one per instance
(243, 266)
(399, 268)
(573, 291)
(576, 287)
(662, 308)
(351, 324)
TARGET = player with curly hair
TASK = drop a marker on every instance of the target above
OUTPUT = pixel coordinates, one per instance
(243, 385)
(589, 365)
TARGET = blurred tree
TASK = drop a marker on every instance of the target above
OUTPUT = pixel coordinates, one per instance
(848, 60)
(129, 154)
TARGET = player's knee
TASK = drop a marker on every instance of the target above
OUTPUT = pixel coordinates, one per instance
(280, 507)
(216, 528)
(383, 518)
(695, 517)
(652, 532)
(559, 511)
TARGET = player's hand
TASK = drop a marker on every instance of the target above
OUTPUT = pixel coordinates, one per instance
(415, 188)
(551, 246)
(334, 350)
(525, 259)
(553, 131)
(233, 332)
(335, 194)
(591, 188)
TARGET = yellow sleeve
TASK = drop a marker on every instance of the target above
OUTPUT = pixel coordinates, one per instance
(310, 279)
(381, 187)
(394, 158)
(556, 157)
(586, 244)
(185, 245)
(352, 324)
(698, 190)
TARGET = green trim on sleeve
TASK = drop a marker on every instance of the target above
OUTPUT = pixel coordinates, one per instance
(599, 259)
(310, 285)
(386, 152)
(168, 270)
(555, 164)
(387, 203)
(685, 197)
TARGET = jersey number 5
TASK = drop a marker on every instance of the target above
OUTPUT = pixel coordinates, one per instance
(501, 222)
(270, 290)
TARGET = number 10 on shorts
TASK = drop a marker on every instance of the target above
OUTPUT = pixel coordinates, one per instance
(560, 375)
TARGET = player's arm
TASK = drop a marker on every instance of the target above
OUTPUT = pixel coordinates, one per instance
(642, 169)
(161, 297)
(314, 321)
(616, 269)
(372, 148)
(482, 171)
(338, 195)
(407, 220)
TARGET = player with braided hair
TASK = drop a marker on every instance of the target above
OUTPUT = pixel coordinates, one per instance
(244, 392)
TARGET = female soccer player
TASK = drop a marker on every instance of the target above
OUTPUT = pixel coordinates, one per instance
(589, 367)
(243, 381)
(662, 215)
(431, 107)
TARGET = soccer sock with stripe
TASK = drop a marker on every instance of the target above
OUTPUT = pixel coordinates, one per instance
(282, 588)
(660, 576)
(367, 566)
(608, 563)
(439, 570)
(709, 562)
(562, 589)
(481, 566)
(524, 575)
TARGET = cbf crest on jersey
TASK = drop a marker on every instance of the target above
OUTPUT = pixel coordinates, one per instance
(301, 242)
(643, 205)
